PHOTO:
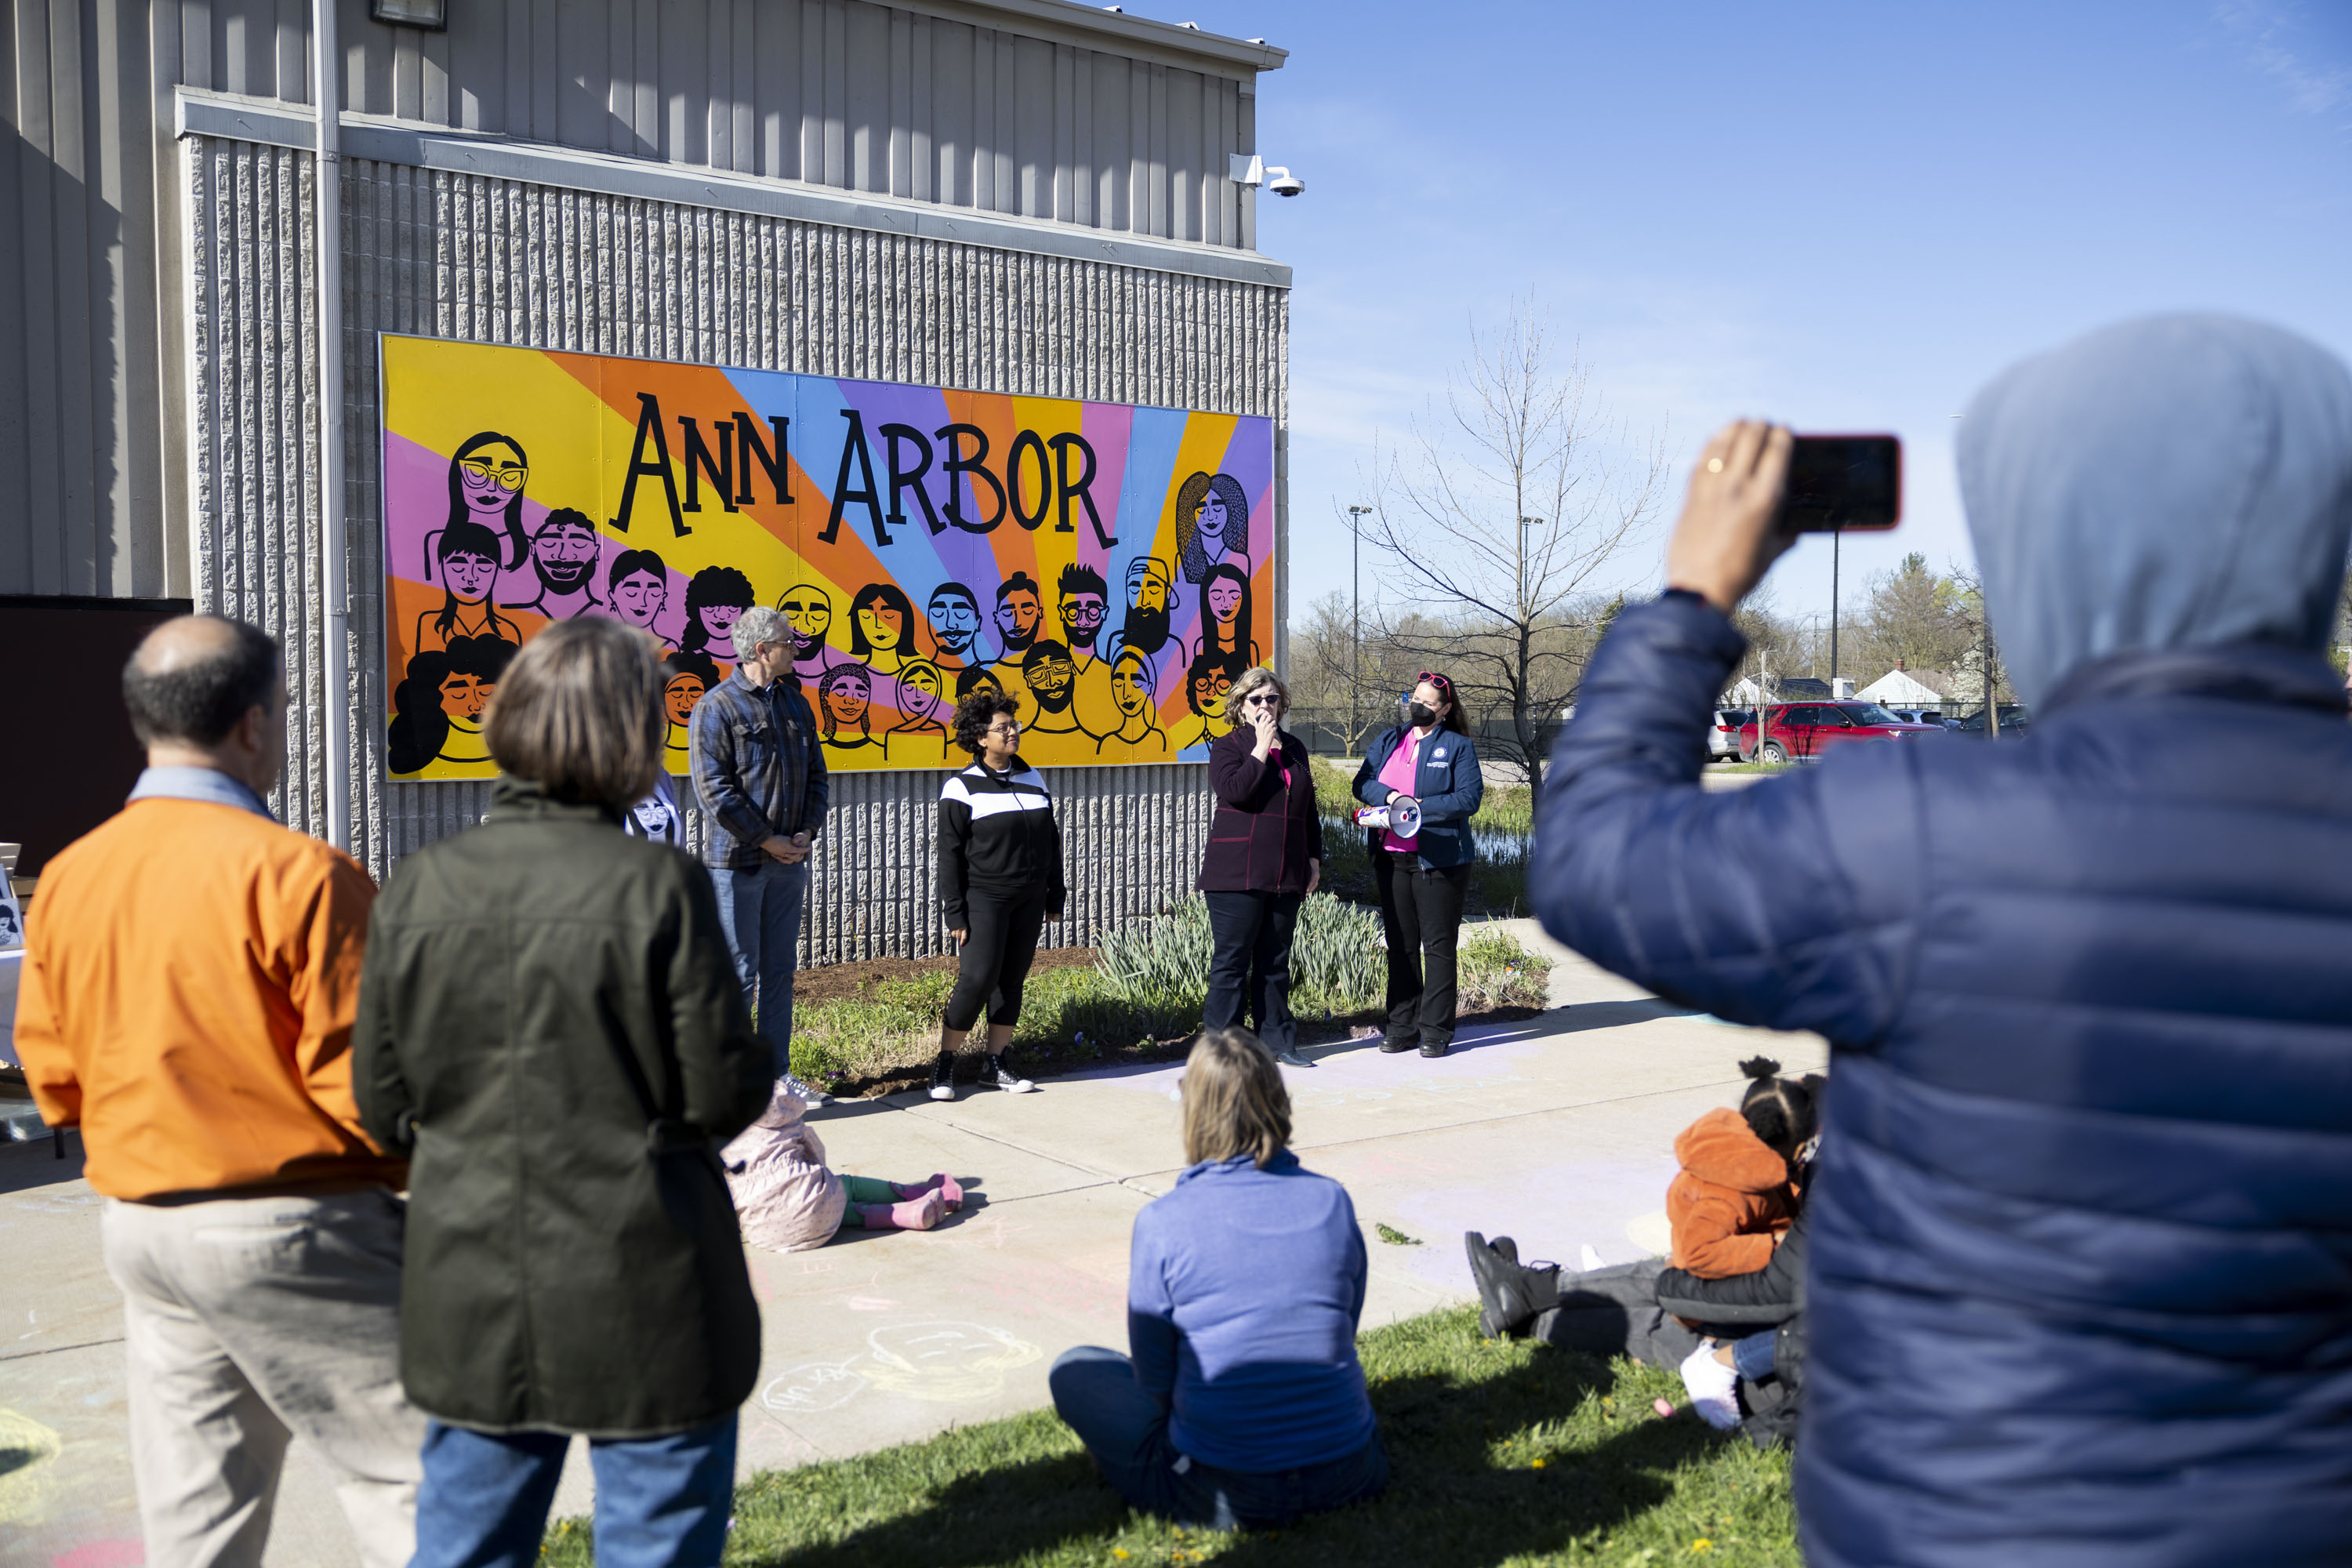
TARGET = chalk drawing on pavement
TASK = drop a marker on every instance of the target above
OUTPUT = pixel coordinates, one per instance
(812, 1386)
(28, 1458)
(946, 1362)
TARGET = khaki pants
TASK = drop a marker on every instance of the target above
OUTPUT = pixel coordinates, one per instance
(249, 1321)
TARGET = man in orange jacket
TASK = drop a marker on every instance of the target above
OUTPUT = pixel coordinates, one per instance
(186, 1001)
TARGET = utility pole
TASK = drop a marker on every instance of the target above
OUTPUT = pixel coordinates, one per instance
(1992, 708)
(1355, 515)
(1837, 536)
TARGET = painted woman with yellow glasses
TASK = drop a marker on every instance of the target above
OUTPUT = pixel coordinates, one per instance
(485, 480)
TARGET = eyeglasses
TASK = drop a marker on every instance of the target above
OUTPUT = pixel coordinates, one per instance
(509, 477)
(1005, 730)
(1433, 679)
(1261, 700)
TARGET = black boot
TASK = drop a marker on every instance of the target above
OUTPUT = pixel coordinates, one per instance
(1509, 1297)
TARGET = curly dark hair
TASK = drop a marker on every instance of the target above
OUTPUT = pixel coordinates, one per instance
(976, 711)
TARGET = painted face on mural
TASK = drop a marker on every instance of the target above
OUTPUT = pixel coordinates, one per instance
(640, 596)
(1224, 600)
(918, 691)
(1209, 689)
(881, 623)
(1146, 585)
(718, 621)
(469, 575)
(488, 477)
(1052, 680)
(955, 620)
(1211, 521)
(1017, 615)
(463, 697)
(809, 612)
(679, 697)
(1082, 618)
(565, 555)
(1131, 686)
(847, 699)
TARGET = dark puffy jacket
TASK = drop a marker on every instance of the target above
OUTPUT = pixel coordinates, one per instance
(2083, 1288)
(549, 1020)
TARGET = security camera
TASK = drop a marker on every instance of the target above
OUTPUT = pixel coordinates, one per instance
(1283, 182)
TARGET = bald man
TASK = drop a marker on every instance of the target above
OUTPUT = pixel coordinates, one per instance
(186, 1001)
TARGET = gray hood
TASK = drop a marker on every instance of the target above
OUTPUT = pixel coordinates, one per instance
(2173, 482)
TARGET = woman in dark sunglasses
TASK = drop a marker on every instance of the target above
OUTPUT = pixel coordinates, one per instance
(1265, 856)
(1427, 760)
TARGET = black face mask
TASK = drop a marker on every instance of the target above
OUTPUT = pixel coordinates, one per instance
(1420, 714)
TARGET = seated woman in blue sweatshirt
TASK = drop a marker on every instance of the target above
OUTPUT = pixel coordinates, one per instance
(1245, 1403)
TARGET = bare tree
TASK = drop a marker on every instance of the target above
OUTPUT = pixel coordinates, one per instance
(1497, 514)
(1914, 619)
(1332, 686)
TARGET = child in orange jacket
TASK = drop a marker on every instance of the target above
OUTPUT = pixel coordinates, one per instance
(1734, 1198)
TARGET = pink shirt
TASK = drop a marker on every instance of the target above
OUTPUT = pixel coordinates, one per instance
(1397, 773)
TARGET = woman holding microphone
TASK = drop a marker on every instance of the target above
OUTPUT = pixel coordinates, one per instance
(1000, 882)
(1264, 856)
(1426, 763)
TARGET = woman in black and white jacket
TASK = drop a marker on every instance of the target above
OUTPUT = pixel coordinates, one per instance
(1000, 881)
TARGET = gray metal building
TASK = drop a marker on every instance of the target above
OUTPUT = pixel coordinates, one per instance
(1025, 196)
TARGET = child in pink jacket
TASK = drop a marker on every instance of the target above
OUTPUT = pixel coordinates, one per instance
(789, 1202)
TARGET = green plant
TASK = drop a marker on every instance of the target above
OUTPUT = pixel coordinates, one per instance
(1337, 964)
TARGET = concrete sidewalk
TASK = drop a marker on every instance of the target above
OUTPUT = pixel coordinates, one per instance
(1557, 1131)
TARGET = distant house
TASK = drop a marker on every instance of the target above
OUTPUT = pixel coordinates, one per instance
(1909, 688)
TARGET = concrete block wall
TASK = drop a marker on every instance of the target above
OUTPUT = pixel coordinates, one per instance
(444, 253)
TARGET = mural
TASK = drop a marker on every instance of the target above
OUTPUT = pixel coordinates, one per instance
(1112, 567)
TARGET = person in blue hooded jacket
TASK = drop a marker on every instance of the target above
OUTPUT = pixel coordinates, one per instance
(1423, 878)
(2081, 1273)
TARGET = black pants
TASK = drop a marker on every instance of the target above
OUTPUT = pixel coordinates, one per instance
(1251, 969)
(1420, 909)
(998, 948)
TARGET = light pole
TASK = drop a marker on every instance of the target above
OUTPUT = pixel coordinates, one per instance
(1523, 563)
(1355, 515)
(1837, 536)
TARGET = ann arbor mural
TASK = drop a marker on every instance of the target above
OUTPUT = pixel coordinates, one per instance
(1110, 566)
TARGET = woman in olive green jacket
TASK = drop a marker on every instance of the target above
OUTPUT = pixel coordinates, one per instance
(550, 1028)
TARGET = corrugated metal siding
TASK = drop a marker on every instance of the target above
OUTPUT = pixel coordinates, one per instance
(85, 404)
(860, 97)
(461, 257)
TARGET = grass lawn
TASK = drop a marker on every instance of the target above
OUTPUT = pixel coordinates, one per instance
(1501, 1452)
(875, 1030)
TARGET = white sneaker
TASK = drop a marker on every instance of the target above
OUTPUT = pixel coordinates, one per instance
(1713, 1388)
(1005, 1079)
(942, 1078)
(809, 1094)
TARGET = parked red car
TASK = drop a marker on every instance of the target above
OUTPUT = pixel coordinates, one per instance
(1808, 728)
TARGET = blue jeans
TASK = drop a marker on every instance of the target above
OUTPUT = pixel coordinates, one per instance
(1751, 1357)
(760, 910)
(659, 1500)
(1125, 1427)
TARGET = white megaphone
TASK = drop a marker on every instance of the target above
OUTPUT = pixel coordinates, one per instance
(1403, 821)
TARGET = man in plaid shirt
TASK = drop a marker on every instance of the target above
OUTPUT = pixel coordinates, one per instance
(759, 773)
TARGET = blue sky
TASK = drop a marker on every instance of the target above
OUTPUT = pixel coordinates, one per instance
(1846, 216)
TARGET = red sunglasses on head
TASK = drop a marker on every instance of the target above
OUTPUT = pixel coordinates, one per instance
(1435, 679)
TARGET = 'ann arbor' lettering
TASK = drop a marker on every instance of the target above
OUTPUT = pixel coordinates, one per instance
(1042, 477)
(739, 444)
